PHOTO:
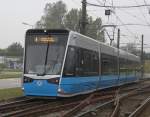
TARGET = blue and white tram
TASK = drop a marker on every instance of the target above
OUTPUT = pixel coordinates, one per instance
(62, 63)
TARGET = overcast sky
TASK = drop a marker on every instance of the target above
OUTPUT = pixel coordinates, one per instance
(14, 12)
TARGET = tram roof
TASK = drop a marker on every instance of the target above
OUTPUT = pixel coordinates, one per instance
(104, 47)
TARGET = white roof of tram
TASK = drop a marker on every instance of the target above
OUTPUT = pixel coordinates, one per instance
(76, 39)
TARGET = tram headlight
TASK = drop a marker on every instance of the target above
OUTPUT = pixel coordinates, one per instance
(27, 80)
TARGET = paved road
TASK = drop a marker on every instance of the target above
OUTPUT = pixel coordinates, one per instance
(10, 83)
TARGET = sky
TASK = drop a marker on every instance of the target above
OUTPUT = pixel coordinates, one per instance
(15, 12)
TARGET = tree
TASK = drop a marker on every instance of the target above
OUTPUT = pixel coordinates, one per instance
(56, 16)
(2, 52)
(15, 49)
(93, 29)
(53, 14)
(2, 67)
(131, 47)
(71, 20)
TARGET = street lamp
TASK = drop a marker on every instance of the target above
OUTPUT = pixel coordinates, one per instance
(24, 23)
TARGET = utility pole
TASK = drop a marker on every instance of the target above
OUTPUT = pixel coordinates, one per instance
(83, 20)
(142, 57)
(118, 46)
(118, 39)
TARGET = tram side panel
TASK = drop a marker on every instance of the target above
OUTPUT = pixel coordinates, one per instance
(109, 74)
(81, 71)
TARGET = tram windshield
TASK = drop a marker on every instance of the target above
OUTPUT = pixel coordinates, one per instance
(45, 53)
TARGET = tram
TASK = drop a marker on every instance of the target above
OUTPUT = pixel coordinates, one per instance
(64, 63)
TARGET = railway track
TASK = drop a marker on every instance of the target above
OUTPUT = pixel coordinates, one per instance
(101, 100)
(123, 105)
(37, 107)
(138, 111)
(44, 107)
(143, 110)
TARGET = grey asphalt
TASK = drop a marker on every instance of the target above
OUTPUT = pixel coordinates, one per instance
(10, 83)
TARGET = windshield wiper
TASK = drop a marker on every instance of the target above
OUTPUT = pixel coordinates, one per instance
(43, 72)
(44, 67)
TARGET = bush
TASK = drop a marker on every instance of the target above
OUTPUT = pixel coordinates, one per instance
(2, 66)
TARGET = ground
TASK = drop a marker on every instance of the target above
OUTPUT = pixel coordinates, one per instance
(10, 93)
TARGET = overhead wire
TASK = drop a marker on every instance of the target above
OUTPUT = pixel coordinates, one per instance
(142, 14)
(123, 24)
(129, 13)
(146, 4)
(119, 7)
(139, 19)
(130, 24)
(114, 29)
(126, 27)
(108, 20)
(111, 6)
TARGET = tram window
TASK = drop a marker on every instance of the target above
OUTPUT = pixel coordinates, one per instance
(123, 66)
(109, 64)
(95, 63)
(115, 65)
(129, 67)
(87, 59)
(79, 62)
(91, 63)
(87, 62)
(69, 68)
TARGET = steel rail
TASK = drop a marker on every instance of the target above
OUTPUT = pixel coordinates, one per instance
(12, 99)
(20, 106)
(137, 92)
(95, 108)
(88, 101)
(118, 100)
(48, 108)
(16, 102)
(140, 108)
(40, 110)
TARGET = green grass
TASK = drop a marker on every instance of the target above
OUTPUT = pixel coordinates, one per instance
(12, 70)
(5, 74)
(10, 93)
(147, 66)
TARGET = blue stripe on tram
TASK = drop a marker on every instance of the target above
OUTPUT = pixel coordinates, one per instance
(82, 84)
